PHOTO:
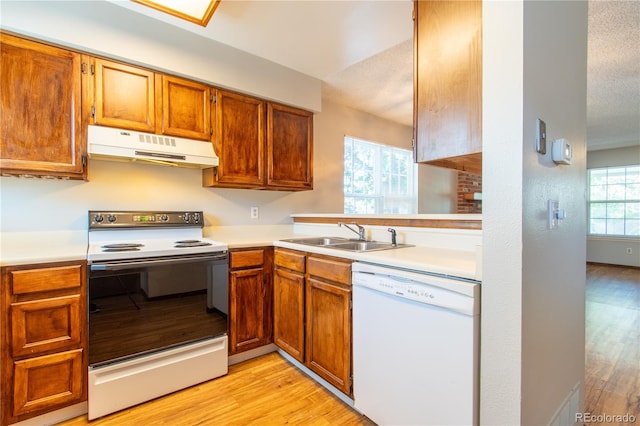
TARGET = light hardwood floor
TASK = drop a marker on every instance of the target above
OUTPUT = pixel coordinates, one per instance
(270, 391)
(263, 391)
(612, 377)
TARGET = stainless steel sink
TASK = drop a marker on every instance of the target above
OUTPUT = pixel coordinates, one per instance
(346, 244)
(317, 241)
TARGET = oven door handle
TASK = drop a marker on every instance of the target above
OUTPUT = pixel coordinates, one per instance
(141, 263)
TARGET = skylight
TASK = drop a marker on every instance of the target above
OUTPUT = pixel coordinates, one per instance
(196, 11)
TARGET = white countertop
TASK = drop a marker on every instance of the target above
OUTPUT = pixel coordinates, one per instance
(22, 248)
(19, 248)
(457, 263)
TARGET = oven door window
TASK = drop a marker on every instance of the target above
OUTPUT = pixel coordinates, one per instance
(145, 309)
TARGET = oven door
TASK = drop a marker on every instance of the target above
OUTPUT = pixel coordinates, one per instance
(141, 306)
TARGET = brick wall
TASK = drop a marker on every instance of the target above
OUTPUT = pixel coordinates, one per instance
(469, 183)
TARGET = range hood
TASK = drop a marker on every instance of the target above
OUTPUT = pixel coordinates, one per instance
(126, 145)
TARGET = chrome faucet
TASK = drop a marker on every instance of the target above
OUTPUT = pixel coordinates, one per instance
(360, 230)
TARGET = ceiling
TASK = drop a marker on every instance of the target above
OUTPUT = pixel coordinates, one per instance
(363, 53)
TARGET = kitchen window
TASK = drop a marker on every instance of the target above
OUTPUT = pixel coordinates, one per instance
(614, 201)
(378, 178)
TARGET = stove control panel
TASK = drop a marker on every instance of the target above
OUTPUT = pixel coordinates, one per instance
(142, 219)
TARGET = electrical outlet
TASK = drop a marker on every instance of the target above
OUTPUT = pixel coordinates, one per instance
(629, 250)
(254, 212)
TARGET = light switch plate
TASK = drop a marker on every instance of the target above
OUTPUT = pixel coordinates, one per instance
(541, 136)
(552, 208)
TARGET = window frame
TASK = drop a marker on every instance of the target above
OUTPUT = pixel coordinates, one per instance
(606, 202)
(378, 196)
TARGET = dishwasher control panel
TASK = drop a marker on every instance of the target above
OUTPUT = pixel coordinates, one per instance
(435, 291)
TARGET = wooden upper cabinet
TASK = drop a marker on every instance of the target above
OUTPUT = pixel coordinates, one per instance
(185, 108)
(40, 100)
(289, 147)
(123, 96)
(239, 142)
(448, 84)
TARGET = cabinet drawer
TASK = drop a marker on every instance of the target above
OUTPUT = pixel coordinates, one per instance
(246, 258)
(290, 260)
(47, 382)
(329, 269)
(45, 279)
(45, 325)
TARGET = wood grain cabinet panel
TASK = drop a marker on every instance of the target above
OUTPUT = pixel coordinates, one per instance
(239, 142)
(250, 299)
(328, 332)
(40, 100)
(47, 382)
(289, 147)
(312, 313)
(288, 312)
(448, 84)
(45, 325)
(43, 338)
(124, 96)
(185, 108)
(26, 281)
(261, 145)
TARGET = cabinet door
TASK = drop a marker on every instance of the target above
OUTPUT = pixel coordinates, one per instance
(328, 332)
(186, 108)
(289, 147)
(44, 383)
(448, 84)
(288, 312)
(123, 96)
(45, 325)
(246, 309)
(40, 100)
(238, 142)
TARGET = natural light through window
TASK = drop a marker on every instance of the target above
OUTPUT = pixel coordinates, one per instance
(614, 201)
(196, 11)
(378, 178)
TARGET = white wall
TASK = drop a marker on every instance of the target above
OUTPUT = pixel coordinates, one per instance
(109, 30)
(611, 249)
(534, 278)
(130, 186)
(436, 186)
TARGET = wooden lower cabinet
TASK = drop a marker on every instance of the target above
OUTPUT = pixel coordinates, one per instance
(328, 332)
(288, 312)
(43, 344)
(250, 299)
(312, 313)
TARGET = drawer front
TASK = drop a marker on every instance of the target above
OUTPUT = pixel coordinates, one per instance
(329, 269)
(45, 279)
(45, 325)
(47, 382)
(290, 260)
(246, 258)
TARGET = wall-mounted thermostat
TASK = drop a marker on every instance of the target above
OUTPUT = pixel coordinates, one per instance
(561, 151)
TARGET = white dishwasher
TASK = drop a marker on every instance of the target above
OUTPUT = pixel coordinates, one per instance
(415, 347)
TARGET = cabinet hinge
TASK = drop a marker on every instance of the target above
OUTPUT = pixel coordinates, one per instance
(214, 98)
(93, 111)
(93, 69)
(210, 131)
(84, 161)
(351, 304)
(83, 68)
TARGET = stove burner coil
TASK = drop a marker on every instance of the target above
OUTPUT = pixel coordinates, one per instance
(121, 247)
(190, 243)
